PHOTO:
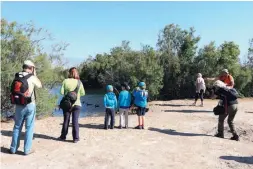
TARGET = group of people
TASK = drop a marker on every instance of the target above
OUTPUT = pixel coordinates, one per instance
(223, 87)
(125, 101)
(23, 96)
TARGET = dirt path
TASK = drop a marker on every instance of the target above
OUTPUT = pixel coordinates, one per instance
(177, 136)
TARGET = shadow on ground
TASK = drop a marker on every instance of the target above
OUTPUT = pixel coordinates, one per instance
(92, 126)
(174, 132)
(22, 136)
(189, 111)
(6, 151)
(172, 105)
(246, 160)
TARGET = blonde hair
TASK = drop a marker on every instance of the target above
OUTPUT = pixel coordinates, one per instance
(219, 84)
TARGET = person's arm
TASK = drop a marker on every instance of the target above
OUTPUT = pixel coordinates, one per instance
(115, 103)
(232, 82)
(37, 82)
(63, 88)
(120, 97)
(105, 100)
(82, 91)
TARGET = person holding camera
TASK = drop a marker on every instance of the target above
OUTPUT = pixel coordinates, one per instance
(228, 106)
(23, 96)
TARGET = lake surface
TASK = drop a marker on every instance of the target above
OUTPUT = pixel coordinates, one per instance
(92, 105)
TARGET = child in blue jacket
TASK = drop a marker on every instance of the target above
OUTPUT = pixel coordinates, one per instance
(141, 100)
(110, 103)
(124, 105)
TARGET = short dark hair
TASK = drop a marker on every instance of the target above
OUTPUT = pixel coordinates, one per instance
(124, 85)
(27, 67)
(73, 73)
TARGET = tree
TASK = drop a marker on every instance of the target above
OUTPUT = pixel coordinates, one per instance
(21, 42)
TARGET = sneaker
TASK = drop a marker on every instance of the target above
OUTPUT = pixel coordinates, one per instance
(75, 141)
(138, 127)
(220, 135)
(235, 137)
(30, 152)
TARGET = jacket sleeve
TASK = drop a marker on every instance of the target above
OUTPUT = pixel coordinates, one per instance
(105, 99)
(120, 97)
(116, 104)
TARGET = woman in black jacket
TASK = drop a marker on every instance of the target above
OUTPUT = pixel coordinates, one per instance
(229, 101)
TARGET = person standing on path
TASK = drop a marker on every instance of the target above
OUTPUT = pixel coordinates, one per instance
(229, 102)
(124, 105)
(68, 85)
(200, 89)
(25, 106)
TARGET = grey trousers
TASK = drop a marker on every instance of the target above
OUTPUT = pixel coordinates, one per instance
(231, 112)
(123, 117)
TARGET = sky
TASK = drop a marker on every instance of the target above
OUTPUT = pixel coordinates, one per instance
(96, 27)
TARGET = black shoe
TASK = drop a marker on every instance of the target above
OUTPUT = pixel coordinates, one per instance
(106, 128)
(142, 127)
(235, 137)
(120, 127)
(62, 138)
(220, 135)
(10, 152)
(138, 127)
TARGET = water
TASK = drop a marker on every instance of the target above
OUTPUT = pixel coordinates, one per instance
(92, 105)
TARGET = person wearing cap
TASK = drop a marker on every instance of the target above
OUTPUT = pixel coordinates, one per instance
(140, 101)
(227, 78)
(26, 113)
(124, 105)
(200, 89)
(110, 103)
(230, 103)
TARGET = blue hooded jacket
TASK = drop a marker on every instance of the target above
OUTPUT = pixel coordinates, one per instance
(110, 100)
(141, 98)
(124, 99)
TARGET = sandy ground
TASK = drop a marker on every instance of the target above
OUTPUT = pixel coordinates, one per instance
(177, 136)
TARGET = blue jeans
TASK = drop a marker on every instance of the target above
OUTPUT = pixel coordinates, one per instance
(23, 114)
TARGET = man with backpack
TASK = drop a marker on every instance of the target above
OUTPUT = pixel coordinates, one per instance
(23, 96)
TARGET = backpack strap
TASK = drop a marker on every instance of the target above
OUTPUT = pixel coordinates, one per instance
(78, 86)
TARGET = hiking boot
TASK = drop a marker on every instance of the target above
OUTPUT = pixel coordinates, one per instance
(138, 127)
(220, 135)
(235, 137)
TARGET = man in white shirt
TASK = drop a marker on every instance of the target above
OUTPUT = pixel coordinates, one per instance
(26, 113)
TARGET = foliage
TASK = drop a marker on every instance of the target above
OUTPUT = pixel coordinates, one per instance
(21, 42)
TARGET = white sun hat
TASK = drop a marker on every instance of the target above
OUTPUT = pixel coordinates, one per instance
(29, 63)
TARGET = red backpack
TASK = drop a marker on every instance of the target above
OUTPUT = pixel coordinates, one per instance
(19, 90)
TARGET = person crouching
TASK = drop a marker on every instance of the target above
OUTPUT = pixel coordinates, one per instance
(110, 103)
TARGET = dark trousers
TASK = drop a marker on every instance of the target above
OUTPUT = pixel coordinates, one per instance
(200, 95)
(231, 112)
(109, 113)
(75, 126)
